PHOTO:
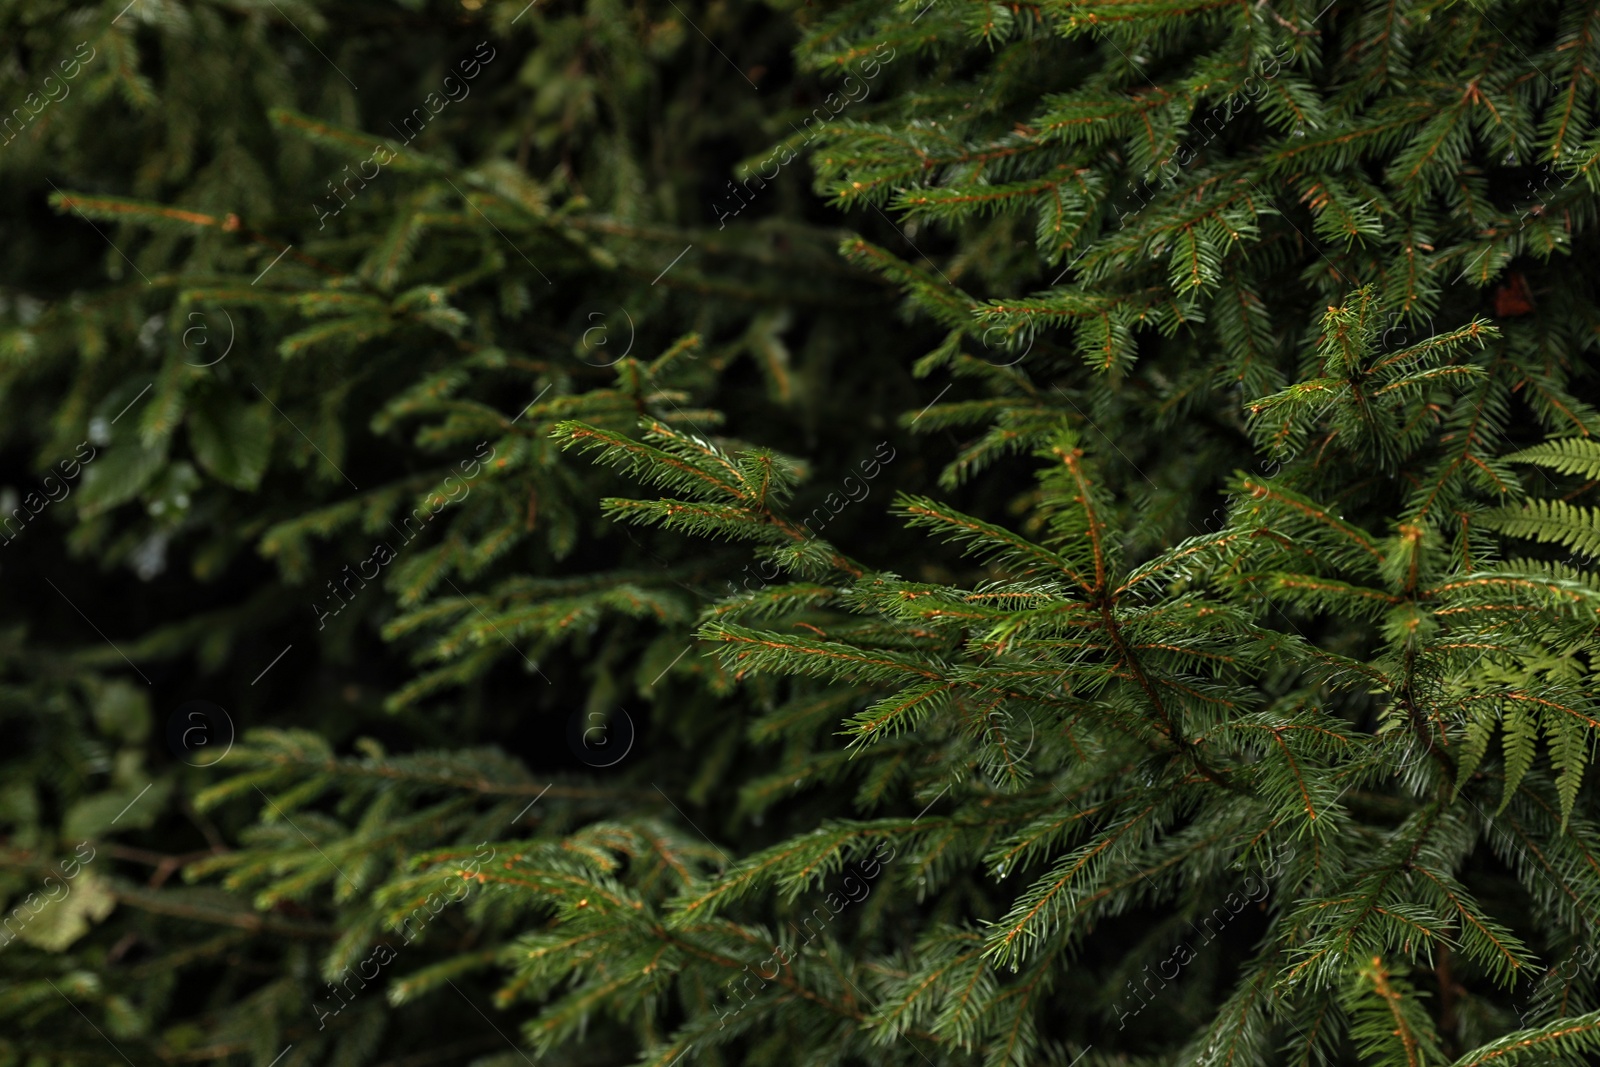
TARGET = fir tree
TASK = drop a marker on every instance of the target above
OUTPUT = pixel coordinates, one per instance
(1208, 680)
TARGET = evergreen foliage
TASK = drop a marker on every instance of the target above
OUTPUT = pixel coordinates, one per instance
(1209, 682)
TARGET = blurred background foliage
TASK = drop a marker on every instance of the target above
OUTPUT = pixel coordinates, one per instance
(272, 357)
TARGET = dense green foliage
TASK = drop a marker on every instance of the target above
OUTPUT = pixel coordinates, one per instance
(780, 533)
